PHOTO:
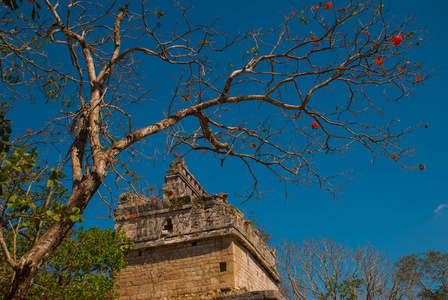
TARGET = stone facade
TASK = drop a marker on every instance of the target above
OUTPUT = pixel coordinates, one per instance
(192, 245)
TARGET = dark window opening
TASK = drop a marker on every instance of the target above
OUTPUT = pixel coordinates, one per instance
(169, 225)
(222, 267)
(194, 243)
(139, 253)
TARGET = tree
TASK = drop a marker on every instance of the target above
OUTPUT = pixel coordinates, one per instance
(324, 269)
(275, 77)
(427, 272)
(85, 265)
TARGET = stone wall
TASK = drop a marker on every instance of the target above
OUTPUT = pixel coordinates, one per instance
(181, 269)
(258, 295)
(181, 182)
(190, 243)
(249, 273)
(192, 270)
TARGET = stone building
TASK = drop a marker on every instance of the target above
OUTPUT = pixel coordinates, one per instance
(192, 245)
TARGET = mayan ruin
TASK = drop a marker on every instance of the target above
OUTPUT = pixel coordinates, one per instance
(192, 245)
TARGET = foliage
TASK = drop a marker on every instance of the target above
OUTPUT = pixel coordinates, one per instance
(12, 4)
(427, 273)
(343, 290)
(261, 230)
(83, 267)
(32, 195)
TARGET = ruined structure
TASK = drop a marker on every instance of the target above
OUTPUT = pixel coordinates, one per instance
(192, 245)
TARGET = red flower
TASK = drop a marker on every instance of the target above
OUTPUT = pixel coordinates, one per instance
(313, 38)
(203, 152)
(379, 61)
(399, 69)
(176, 155)
(28, 130)
(365, 32)
(328, 5)
(420, 39)
(314, 125)
(202, 94)
(394, 155)
(397, 40)
(253, 145)
(134, 216)
(315, 7)
(418, 79)
(293, 14)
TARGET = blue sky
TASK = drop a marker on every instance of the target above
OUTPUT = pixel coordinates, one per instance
(398, 211)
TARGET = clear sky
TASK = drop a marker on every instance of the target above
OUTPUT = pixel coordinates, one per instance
(398, 211)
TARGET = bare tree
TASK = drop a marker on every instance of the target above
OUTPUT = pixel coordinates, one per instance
(97, 77)
(427, 273)
(324, 269)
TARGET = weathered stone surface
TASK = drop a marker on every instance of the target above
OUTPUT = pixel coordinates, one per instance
(191, 243)
(257, 295)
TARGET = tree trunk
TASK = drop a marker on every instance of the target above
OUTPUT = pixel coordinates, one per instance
(29, 264)
(23, 279)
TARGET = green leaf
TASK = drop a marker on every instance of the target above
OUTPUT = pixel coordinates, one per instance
(3, 177)
(49, 183)
(76, 210)
(56, 218)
